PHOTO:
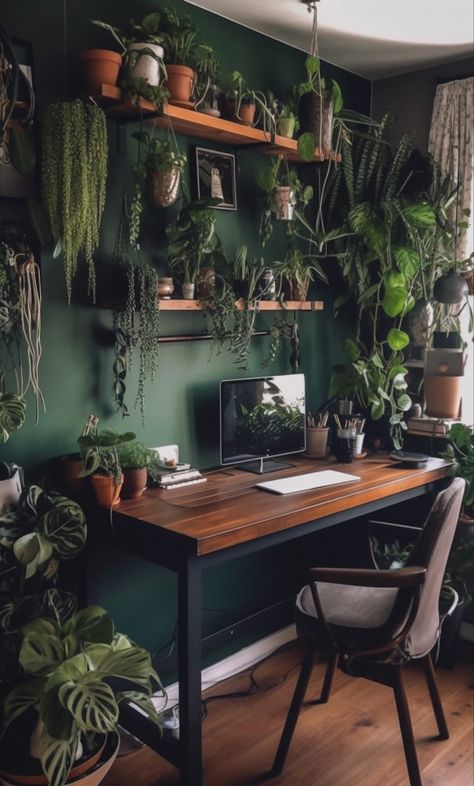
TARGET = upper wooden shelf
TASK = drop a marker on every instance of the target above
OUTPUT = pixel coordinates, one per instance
(198, 124)
(264, 305)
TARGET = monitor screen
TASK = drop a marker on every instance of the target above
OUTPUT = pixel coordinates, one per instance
(261, 417)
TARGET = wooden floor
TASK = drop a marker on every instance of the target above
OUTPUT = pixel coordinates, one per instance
(352, 741)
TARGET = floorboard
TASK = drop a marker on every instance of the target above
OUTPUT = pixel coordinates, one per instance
(353, 740)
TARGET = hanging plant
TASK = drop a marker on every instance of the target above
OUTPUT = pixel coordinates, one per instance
(138, 325)
(74, 143)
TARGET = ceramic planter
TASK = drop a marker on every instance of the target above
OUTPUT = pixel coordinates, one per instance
(100, 66)
(286, 127)
(316, 116)
(165, 288)
(106, 490)
(442, 396)
(180, 83)
(188, 291)
(163, 187)
(283, 205)
(145, 66)
(451, 288)
(134, 482)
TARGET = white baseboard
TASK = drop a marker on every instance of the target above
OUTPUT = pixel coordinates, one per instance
(467, 631)
(233, 664)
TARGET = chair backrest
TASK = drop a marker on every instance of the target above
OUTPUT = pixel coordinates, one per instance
(432, 551)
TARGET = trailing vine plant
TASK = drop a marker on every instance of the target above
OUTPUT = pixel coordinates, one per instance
(74, 173)
(138, 325)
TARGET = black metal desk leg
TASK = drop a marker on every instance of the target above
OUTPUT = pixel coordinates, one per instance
(189, 664)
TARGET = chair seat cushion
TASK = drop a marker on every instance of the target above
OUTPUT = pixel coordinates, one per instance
(349, 606)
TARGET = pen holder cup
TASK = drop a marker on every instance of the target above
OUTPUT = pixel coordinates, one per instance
(344, 445)
(359, 444)
(316, 442)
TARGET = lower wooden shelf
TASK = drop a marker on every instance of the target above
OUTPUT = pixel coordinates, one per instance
(264, 305)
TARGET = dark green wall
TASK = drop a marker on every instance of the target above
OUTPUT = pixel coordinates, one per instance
(76, 370)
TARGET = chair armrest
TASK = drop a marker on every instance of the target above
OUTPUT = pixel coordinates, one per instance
(412, 576)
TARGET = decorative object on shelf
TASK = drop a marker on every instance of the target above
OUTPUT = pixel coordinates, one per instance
(20, 312)
(188, 290)
(179, 35)
(74, 174)
(100, 66)
(100, 455)
(215, 177)
(165, 287)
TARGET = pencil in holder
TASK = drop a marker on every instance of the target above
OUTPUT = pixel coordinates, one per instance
(316, 442)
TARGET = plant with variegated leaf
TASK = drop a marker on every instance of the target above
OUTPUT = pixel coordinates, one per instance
(76, 675)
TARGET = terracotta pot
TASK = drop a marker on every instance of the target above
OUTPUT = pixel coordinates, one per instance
(145, 66)
(286, 127)
(165, 288)
(163, 187)
(292, 291)
(106, 490)
(100, 67)
(245, 115)
(94, 774)
(180, 83)
(442, 396)
(134, 482)
(470, 281)
(316, 442)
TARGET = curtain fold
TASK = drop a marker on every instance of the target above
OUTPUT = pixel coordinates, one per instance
(451, 145)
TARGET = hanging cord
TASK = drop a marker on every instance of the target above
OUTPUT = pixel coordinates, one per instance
(30, 312)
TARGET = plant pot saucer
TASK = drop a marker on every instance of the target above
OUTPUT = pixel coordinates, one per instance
(183, 104)
(210, 111)
(360, 455)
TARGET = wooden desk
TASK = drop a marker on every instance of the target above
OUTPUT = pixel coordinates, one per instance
(189, 529)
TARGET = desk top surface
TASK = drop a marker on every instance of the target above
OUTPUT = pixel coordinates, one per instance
(229, 509)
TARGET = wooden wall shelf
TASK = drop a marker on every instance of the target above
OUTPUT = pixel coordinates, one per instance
(198, 124)
(264, 305)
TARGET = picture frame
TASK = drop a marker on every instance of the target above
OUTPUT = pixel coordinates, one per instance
(215, 177)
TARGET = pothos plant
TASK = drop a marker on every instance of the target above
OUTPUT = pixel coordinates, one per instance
(277, 175)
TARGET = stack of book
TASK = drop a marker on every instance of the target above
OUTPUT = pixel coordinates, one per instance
(431, 427)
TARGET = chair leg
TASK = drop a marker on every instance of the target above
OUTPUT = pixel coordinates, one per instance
(406, 730)
(435, 698)
(293, 712)
(333, 658)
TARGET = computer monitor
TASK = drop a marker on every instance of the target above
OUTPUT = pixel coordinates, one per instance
(261, 418)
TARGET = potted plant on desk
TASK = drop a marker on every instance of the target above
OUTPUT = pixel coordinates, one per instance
(134, 459)
(99, 452)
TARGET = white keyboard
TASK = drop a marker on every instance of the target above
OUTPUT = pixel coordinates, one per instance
(307, 481)
(181, 483)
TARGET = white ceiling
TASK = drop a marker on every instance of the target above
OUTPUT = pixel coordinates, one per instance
(374, 38)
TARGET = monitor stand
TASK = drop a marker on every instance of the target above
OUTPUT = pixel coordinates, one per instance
(262, 466)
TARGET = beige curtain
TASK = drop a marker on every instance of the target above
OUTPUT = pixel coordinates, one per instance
(451, 145)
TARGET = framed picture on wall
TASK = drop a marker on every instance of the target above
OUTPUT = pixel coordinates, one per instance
(215, 176)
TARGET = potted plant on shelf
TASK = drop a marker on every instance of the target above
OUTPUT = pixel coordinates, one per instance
(179, 34)
(142, 50)
(134, 459)
(295, 272)
(285, 113)
(206, 89)
(460, 450)
(192, 242)
(99, 451)
(242, 103)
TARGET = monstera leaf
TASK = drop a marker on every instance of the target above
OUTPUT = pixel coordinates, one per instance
(12, 414)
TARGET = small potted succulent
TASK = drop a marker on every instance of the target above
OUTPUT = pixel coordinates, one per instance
(134, 459)
(99, 451)
(161, 169)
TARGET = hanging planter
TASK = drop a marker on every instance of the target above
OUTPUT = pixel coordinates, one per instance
(163, 187)
(451, 288)
(283, 205)
(100, 67)
(316, 113)
(420, 320)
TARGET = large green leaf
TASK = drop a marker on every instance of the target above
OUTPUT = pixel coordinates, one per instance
(312, 65)
(408, 261)
(65, 527)
(40, 654)
(92, 704)
(377, 409)
(91, 624)
(352, 350)
(336, 94)
(25, 695)
(306, 146)
(394, 301)
(57, 760)
(419, 214)
(404, 402)
(397, 339)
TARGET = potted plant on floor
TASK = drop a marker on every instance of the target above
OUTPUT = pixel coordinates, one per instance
(179, 34)
(142, 51)
(99, 451)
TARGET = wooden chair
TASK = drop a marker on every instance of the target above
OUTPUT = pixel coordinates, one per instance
(372, 622)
